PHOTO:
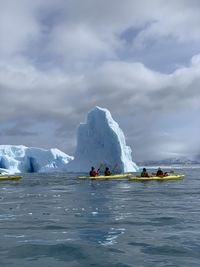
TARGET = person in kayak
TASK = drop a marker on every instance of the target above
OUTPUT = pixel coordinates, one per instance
(144, 173)
(94, 172)
(159, 172)
(107, 172)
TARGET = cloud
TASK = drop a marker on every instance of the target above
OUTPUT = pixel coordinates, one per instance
(20, 129)
(17, 27)
(75, 32)
(114, 82)
(124, 88)
(58, 59)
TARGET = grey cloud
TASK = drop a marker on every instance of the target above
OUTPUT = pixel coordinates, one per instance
(20, 129)
(81, 34)
(59, 59)
(119, 86)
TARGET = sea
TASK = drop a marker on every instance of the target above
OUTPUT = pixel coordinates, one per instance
(58, 220)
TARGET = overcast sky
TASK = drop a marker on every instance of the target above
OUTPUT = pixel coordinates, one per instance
(139, 59)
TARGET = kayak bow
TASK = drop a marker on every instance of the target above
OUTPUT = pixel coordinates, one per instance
(10, 177)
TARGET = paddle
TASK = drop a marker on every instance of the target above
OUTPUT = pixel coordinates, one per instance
(101, 165)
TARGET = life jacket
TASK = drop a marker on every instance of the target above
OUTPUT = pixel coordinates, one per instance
(107, 173)
(159, 173)
(144, 174)
(93, 173)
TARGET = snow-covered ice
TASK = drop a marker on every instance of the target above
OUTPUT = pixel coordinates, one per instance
(16, 159)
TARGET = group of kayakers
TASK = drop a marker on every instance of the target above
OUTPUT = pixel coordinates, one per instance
(159, 173)
(95, 172)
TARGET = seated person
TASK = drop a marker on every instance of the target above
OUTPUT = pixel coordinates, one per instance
(159, 172)
(94, 172)
(107, 172)
(144, 173)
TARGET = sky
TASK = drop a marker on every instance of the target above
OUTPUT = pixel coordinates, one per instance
(139, 59)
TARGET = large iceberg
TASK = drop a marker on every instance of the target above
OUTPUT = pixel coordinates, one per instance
(101, 142)
(16, 159)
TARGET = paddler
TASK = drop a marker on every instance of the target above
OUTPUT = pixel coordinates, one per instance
(144, 173)
(94, 172)
(107, 172)
(160, 172)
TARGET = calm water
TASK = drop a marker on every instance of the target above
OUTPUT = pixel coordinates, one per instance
(58, 220)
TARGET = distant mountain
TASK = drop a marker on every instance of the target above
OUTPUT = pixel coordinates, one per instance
(172, 161)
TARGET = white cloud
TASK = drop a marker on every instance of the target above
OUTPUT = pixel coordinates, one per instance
(81, 34)
(18, 26)
(77, 44)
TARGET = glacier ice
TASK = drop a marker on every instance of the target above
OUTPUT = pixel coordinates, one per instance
(100, 141)
(16, 159)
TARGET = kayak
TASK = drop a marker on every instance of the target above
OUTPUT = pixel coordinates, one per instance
(157, 178)
(115, 176)
(10, 177)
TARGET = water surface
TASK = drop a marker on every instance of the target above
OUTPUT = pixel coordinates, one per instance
(58, 220)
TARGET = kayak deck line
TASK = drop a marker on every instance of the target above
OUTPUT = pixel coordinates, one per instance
(157, 178)
(115, 176)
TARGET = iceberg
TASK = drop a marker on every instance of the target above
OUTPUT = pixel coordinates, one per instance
(17, 159)
(101, 142)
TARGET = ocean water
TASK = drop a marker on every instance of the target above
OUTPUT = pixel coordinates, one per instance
(58, 220)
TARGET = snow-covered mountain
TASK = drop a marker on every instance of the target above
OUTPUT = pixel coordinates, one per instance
(20, 158)
(172, 161)
(100, 140)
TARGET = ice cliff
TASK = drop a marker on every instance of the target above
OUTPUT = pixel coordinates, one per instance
(101, 141)
(15, 159)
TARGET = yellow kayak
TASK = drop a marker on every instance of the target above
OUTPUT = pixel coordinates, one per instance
(115, 176)
(10, 177)
(157, 178)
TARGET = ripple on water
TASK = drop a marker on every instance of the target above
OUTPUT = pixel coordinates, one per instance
(49, 220)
